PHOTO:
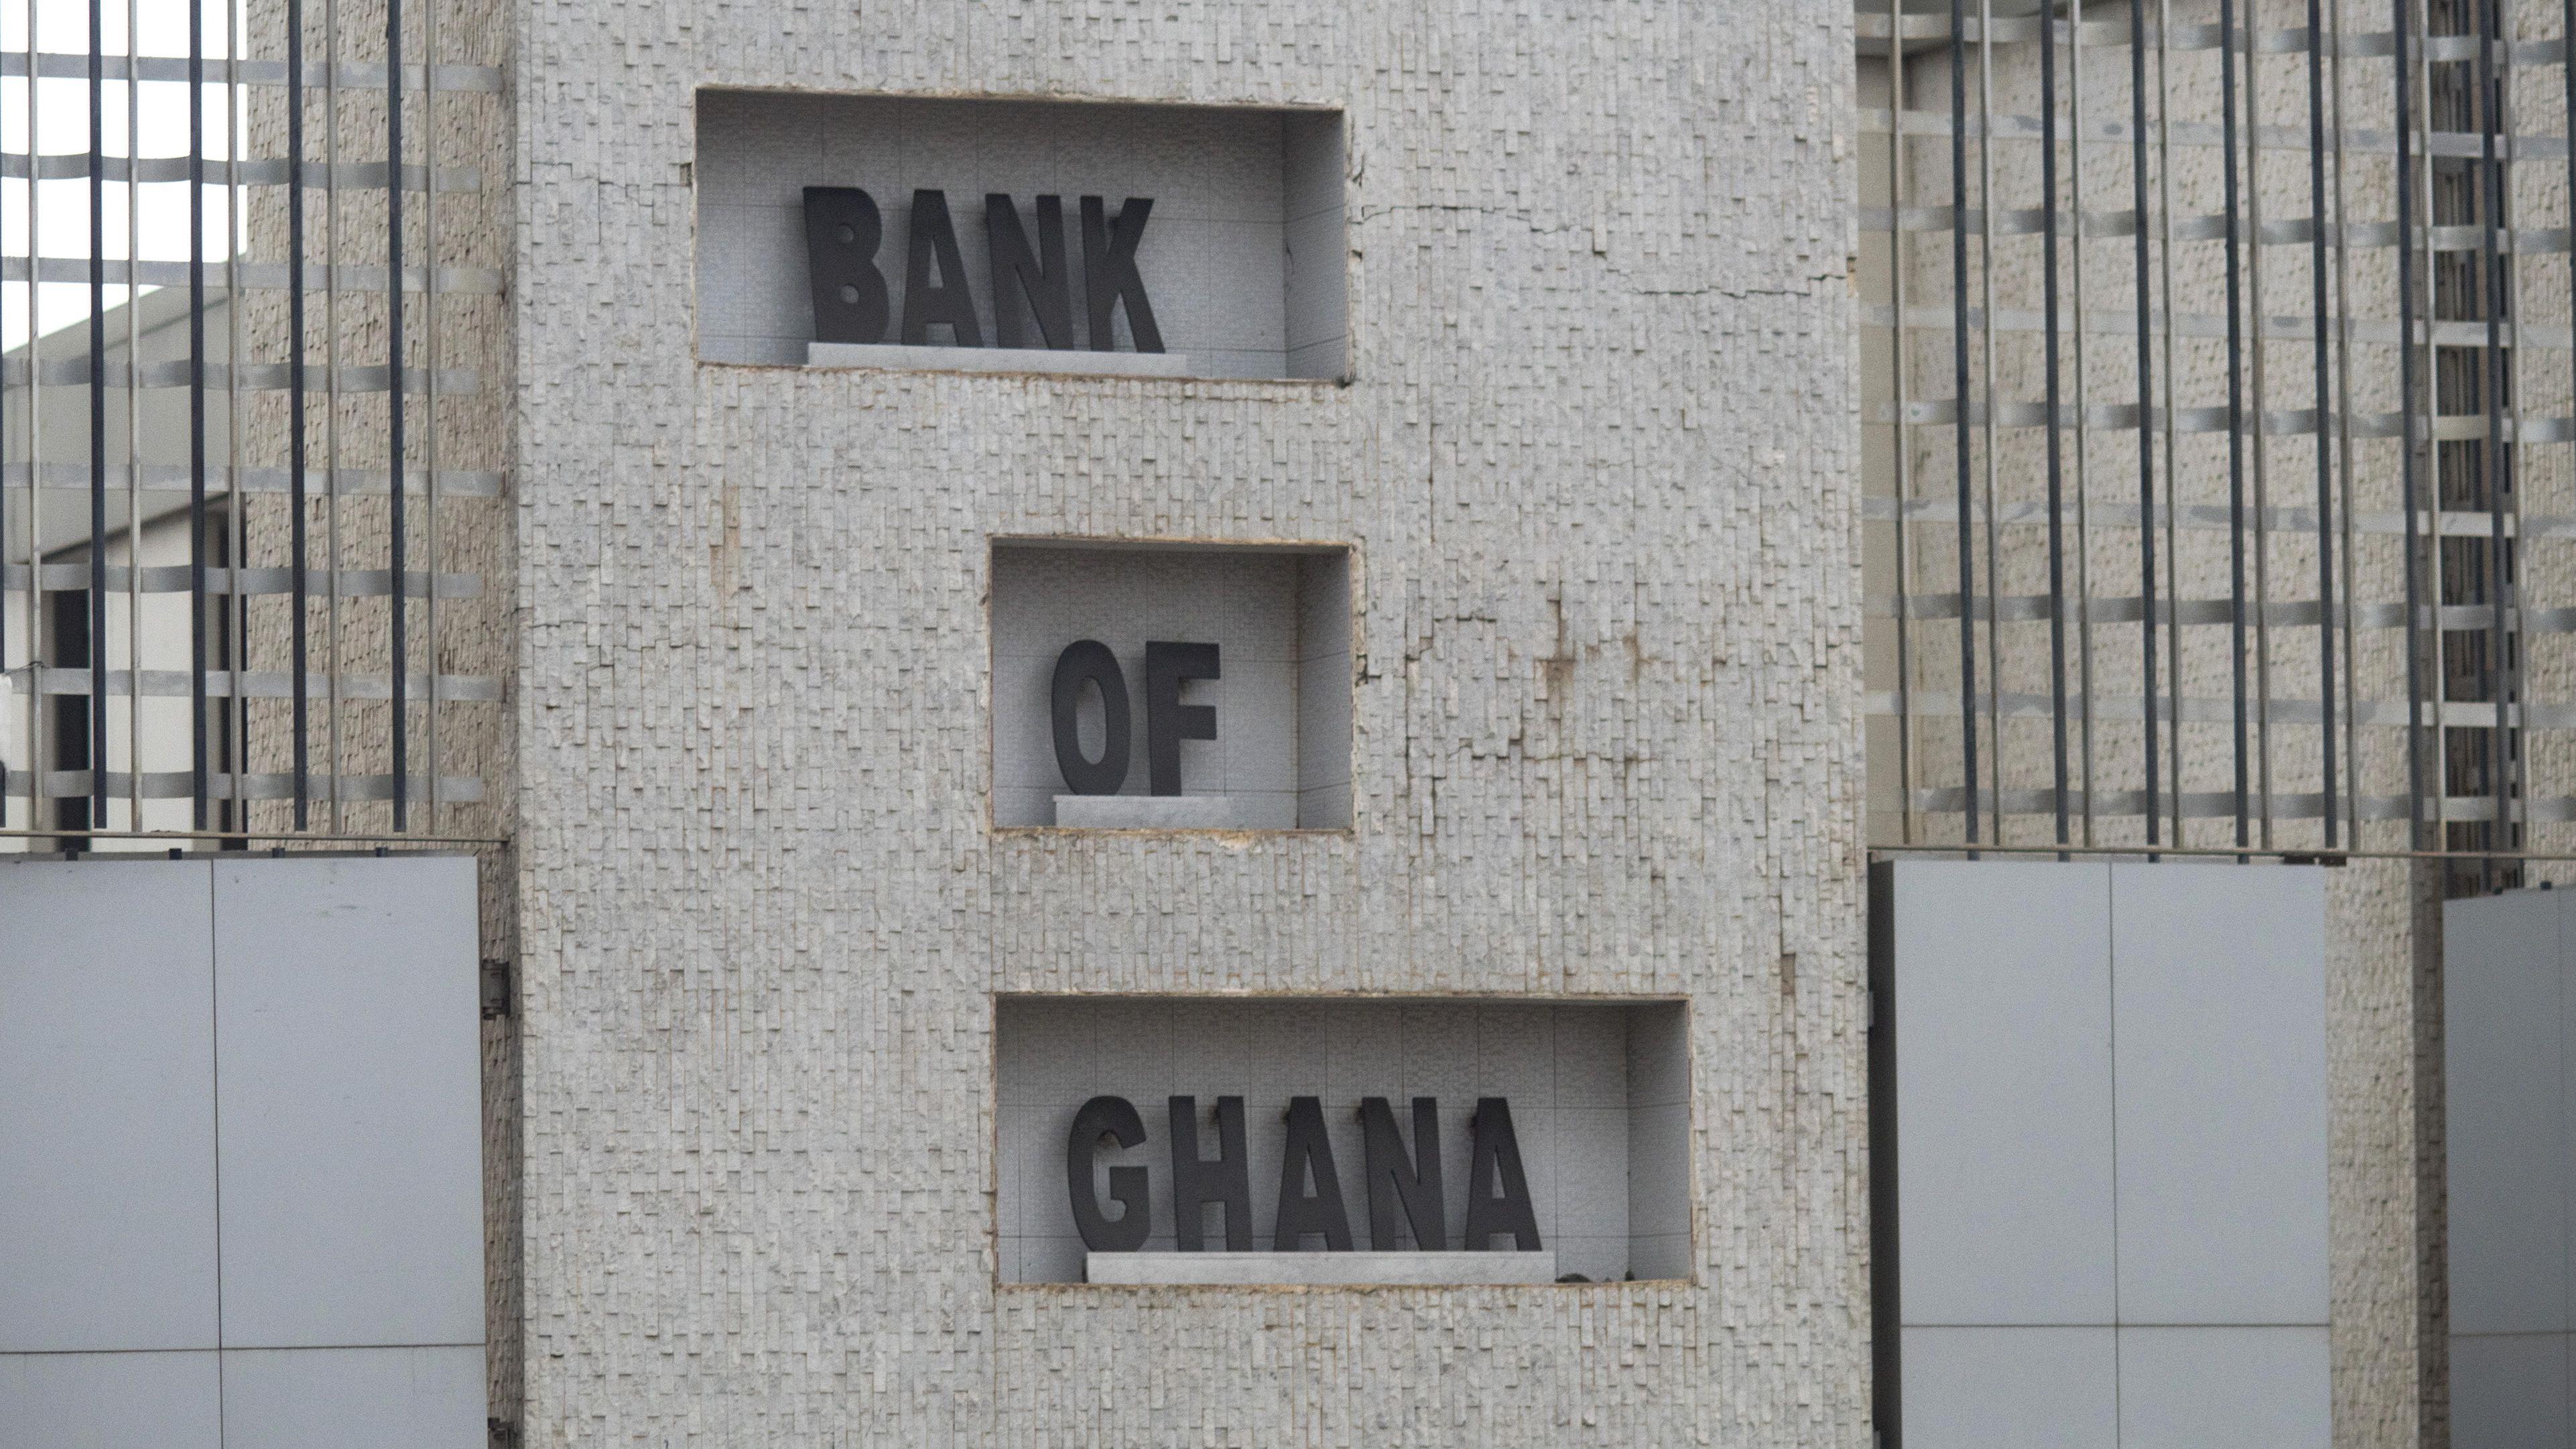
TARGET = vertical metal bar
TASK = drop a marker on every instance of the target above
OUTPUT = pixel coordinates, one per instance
(2343, 426)
(429, 417)
(198, 758)
(32, 361)
(334, 664)
(2438, 588)
(400, 588)
(1897, 390)
(37, 647)
(2083, 428)
(97, 422)
(2173, 493)
(2261, 518)
(1959, 369)
(295, 443)
(2567, 71)
(133, 433)
(237, 513)
(2049, 373)
(2235, 400)
(2491, 203)
(2515, 763)
(1896, 198)
(2325, 462)
(2146, 403)
(1994, 548)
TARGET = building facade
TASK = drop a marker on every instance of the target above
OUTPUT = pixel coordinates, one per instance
(1083, 647)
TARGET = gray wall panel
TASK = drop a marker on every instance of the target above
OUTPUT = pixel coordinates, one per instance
(2224, 1388)
(347, 1016)
(110, 1401)
(2509, 1391)
(2218, 980)
(2004, 1066)
(2504, 1034)
(2011, 1388)
(107, 1129)
(345, 1398)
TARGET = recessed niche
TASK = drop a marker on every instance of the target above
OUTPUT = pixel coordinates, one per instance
(1132, 239)
(1595, 1097)
(1205, 687)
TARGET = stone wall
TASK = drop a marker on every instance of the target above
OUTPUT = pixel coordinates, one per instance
(1598, 469)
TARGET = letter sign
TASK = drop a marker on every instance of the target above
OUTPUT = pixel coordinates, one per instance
(1403, 1190)
(1301, 1213)
(1167, 720)
(1088, 661)
(1225, 1179)
(1498, 1199)
(843, 230)
(1114, 1118)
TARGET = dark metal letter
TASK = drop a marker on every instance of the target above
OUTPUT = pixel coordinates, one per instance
(1225, 1179)
(1497, 1154)
(1114, 1118)
(842, 233)
(953, 300)
(1089, 661)
(1301, 1216)
(1167, 720)
(1414, 1182)
(1109, 272)
(1041, 276)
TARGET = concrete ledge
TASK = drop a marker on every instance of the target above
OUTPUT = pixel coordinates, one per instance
(1318, 1269)
(998, 359)
(1171, 812)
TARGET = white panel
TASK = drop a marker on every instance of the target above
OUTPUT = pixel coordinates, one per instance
(339, 1398)
(2221, 1388)
(107, 1126)
(351, 1101)
(2503, 1016)
(2009, 1388)
(109, 1401)
(2218, 984)
(2509, 1391)
(2003, 1059)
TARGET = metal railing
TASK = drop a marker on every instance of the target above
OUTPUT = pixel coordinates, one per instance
(250, 378)
(2220, 426)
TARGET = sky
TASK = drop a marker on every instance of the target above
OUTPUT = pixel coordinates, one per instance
(159, 123)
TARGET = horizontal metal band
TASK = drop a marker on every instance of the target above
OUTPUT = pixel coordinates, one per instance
(1875, 121)
(2212, 226)
(264, 582)
(2459, 523)
(319, 482)
(318, 74)
(2114, 34)
(2287, 613)
(266, 171)
(2270, 423)
(1937, 320)
(182, 785)
(261, 684)
(255, 276)
(254, 376)
(2458, 714)
(2221, 805)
